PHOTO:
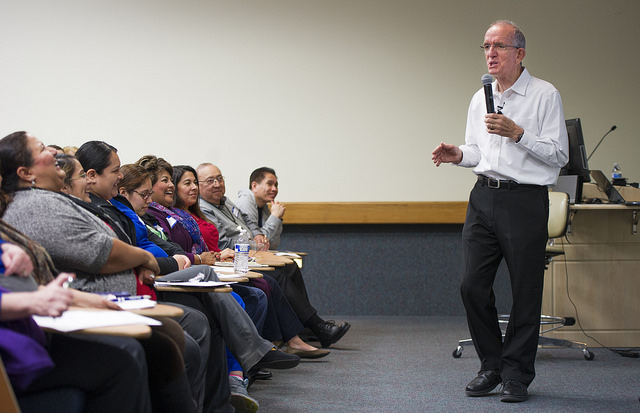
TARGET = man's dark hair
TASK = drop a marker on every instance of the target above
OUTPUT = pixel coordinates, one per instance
(258, 175)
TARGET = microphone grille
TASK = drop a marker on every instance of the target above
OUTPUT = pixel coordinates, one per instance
(487, 79)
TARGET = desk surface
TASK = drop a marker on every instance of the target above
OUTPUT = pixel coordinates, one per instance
(185, 289)
(608, 207)
(160, 310)
(134, 330)
(269, 258)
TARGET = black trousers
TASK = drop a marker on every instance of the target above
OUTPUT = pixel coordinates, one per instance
(511, 223)
(292, 284)
(282, 323)
(108, 375)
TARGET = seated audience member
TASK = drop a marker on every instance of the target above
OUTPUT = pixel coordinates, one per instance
(79, 242)
(35, 363)
(58, 149)
(75, 179)
(228, 219)
(157, 218)
(70, 150)
(263, 189)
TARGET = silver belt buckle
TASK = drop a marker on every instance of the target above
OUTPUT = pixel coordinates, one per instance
(493, 183)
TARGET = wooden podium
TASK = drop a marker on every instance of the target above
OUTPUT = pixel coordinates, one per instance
(600, 273)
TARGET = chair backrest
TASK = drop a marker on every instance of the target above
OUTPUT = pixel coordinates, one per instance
(558, 214)
(8, 403)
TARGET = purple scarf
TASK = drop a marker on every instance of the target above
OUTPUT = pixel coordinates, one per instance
(186, 220)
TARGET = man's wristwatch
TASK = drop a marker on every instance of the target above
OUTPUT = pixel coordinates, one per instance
(519, 137)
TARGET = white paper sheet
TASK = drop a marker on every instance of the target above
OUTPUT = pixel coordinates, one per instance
(286, 254)
(81, 319)
(226, 264)
(136, 304)
(193, 284)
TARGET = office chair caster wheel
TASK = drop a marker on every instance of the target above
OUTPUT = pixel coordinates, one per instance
(457, 353)
(588, 355)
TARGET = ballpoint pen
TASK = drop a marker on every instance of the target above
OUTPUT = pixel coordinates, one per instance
(134, 297)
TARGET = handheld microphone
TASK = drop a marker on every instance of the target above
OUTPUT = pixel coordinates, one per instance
(614, 127)
(488, 92)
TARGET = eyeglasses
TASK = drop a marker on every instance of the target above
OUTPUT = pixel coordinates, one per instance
(81, 176)
(498, 46)
(144, 195)
(210, 181)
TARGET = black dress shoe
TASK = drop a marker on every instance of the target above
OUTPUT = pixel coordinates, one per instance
(255, 374)
(483, 384)
(513, 391)
(328, 332)
(276, 359)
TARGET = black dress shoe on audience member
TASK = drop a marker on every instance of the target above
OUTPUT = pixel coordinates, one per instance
(261, 374)
(483, 384)
(276, 359)
(328, 332)
(513, 391)
(254, 374)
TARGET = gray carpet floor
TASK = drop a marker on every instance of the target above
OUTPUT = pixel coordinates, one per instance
(405, 364)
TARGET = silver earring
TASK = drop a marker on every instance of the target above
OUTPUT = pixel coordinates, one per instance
(33, 183)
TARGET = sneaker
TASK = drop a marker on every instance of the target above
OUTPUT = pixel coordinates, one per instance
(240, 399)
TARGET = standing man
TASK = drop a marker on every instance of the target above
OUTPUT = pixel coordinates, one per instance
(263, 189)
(516, 155)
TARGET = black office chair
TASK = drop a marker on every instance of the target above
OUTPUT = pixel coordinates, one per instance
(557, 227)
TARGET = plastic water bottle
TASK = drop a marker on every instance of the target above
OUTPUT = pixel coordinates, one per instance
(616, 175)
(616, 172)
(241, 259)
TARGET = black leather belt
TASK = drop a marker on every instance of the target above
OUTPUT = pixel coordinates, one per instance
(503, 184)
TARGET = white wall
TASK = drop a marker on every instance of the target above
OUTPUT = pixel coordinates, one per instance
(344, 98)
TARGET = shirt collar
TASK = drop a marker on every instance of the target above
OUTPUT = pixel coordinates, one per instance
(520, 86)
(207, 203)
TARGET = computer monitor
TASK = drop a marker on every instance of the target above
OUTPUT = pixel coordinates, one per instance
(577, 164)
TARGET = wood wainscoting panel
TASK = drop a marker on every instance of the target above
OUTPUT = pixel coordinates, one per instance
(375, 212)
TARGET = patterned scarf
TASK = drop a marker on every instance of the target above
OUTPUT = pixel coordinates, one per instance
(186, 220)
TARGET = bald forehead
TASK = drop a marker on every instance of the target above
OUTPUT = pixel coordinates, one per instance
(502, 27)
(207, 171)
